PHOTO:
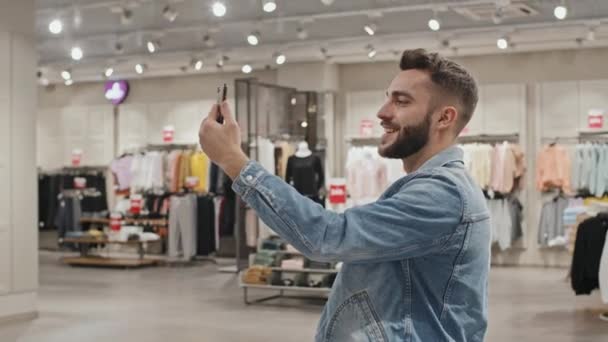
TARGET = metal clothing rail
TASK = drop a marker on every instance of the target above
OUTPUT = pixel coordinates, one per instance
(489, 138)
(363, 141)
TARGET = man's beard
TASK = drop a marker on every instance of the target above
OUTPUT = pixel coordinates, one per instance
(410, 140)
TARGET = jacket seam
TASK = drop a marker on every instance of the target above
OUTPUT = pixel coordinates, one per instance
(449, 287)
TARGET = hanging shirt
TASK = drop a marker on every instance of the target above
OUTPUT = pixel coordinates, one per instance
(121, 167)
(199, 167)
(553, 169)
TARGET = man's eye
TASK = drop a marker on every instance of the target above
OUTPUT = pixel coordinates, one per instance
(402, 101)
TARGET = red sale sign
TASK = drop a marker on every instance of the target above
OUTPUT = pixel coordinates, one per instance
(595, 119)
(337, 191)
(136, 204)
(115, 221)
(80, 182)
(168, 133)
(76, 157)
(366, 128)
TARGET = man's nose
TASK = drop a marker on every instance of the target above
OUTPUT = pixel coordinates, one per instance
(385, 113)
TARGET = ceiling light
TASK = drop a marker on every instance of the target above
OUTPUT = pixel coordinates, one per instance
(66, 74)
(502, 43)
(280, 58)
(370, 29)
(560, 12)
(76, 53)
(269, 6)
(434, 24)
(56, 26)
(293, 101)
(208, 41)
(109, 72)
(140, 68)
(197, 64)
(219, 9)
(304, 124)
(170, 13)
(302, 33)
(371, 51)
(69, 82)
(253, 38)
(126, 16)
(152, 46)
(246, 69)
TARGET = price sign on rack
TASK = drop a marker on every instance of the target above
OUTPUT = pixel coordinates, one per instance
(76, 156)
(595, 119)
(337, 191)
(136, 204)
(192, 182)
(115, 221)
(366, 128)
(168, 134)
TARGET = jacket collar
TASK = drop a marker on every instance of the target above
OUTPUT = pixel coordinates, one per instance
(450, 154)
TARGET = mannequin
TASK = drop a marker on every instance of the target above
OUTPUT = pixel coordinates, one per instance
(305, 172)
(303, 151)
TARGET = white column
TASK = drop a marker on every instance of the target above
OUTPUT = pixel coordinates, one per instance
(18, 179)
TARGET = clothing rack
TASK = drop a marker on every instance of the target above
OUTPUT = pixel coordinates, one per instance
(489, 138)
(363, 141)
(593, 136)
(168, 147)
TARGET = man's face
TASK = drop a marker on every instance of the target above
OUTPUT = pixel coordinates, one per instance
(406, 115)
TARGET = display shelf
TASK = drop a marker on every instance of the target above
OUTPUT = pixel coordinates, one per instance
(289, 252)
(305, 270)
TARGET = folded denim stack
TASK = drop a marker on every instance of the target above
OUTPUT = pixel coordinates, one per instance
(258, 275)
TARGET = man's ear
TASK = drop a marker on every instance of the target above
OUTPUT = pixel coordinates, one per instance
(448, 117)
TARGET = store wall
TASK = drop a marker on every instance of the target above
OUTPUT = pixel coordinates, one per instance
(79, 117)
(18, 228)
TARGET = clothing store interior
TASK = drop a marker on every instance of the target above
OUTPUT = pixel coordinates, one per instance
(116, 226)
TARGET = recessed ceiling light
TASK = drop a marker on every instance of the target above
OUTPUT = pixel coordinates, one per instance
(76, 53)
(269, 6)
(140, 68)
(434, 24)
(56, 26)
(246, 69)
(66, 74)
(560, 12)
(502, 43)
(170, 13)
(197, 64)
(219, 9)
(253, 38)
(304, 124)
(280, 58)
(109, 72)
(152, 46)
(371, 51)
(370, 29)
(69, 82)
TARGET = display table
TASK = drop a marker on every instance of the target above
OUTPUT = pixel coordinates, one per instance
(87, 259)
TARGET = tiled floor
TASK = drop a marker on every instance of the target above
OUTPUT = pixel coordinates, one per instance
(200, 304)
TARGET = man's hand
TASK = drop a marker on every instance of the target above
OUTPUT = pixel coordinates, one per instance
(222, 142)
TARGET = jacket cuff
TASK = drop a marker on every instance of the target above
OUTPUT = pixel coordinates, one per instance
(249, 177)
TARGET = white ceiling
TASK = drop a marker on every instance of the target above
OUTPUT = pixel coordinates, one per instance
(337, 29)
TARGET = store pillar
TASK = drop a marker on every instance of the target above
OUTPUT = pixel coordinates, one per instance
(18, 179)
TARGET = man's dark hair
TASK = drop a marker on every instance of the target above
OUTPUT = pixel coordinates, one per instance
(450, 77)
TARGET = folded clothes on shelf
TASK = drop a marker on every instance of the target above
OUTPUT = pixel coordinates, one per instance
(258, 275)
(294, 264)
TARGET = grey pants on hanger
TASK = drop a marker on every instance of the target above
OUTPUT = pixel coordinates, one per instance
(182, 227)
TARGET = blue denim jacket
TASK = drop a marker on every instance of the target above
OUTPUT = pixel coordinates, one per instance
(416, 261)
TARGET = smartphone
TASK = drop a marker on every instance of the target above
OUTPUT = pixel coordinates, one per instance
(222, 92)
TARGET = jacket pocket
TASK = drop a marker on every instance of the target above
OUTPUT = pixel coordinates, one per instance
(355, 320)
